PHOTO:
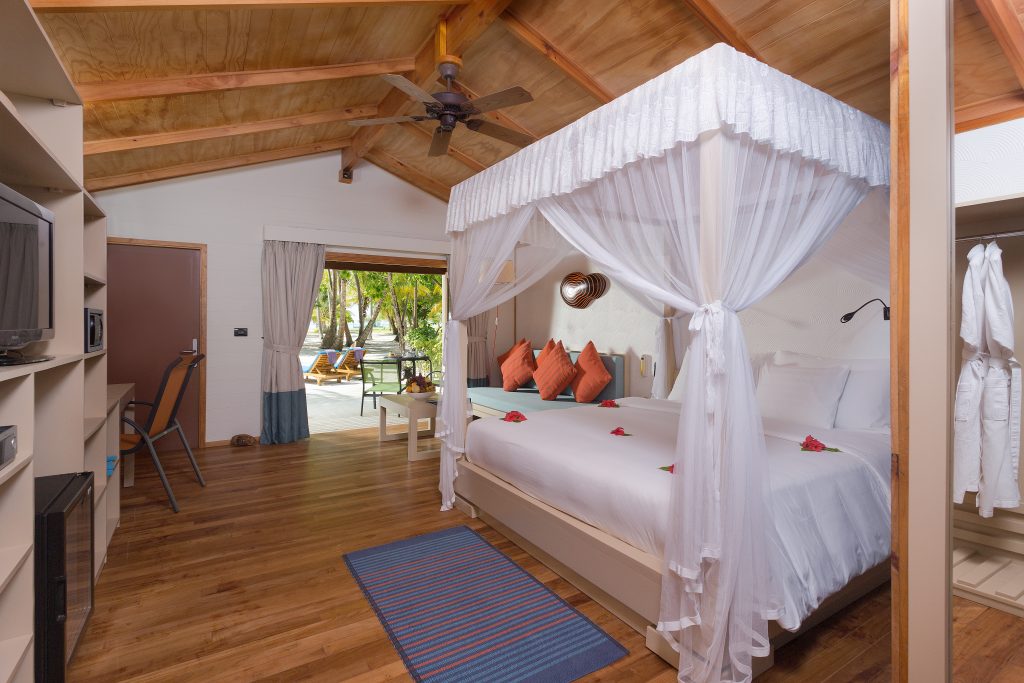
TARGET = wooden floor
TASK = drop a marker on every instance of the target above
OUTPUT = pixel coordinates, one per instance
(246, 583)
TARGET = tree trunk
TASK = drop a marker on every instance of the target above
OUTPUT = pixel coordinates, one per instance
(415, 305)
(343, 299)
(397, 321)
(365, 332)
(360, 306)
(330, 339)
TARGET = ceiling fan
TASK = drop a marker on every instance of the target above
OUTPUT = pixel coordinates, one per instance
(450, 108)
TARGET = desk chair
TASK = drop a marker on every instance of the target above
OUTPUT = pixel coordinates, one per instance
(163, 419)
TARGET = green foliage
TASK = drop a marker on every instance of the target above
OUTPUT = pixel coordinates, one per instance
(426, 338)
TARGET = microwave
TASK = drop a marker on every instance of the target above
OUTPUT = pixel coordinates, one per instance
(93, 330)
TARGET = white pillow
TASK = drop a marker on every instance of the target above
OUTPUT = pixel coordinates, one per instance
(809, 396)
(865, 401)
(758, 362)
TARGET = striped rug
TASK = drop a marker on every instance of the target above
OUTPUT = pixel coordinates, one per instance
(457, 609)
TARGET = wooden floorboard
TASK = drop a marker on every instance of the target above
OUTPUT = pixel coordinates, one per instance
(247, 583)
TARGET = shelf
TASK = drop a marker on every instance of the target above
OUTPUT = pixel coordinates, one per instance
(93, 425)
(31, 66)
(20, 460)
(94, 280)
(11, 559)
(24, 159)
(12, 653)
(116, 392)
(92, 209)
(94, 354)
(13, 371)
(99, 488)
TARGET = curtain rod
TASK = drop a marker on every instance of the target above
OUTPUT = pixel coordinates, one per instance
(991, 236)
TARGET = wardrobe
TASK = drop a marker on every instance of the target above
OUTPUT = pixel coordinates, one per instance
(988, 554)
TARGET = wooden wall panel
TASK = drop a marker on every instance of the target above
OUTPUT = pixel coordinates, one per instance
(412, 150)
(621, 44)
(499, 60)
(982, 71)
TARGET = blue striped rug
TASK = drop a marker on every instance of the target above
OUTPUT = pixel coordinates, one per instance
(457, 609)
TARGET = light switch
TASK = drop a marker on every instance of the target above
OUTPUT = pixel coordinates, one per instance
(241, 331)
(646, 365)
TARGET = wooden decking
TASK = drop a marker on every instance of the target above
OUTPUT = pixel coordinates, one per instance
(246, 583)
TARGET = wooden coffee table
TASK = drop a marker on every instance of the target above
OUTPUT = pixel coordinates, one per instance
(415, 409)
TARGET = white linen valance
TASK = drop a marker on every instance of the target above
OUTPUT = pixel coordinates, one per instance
(718, 88)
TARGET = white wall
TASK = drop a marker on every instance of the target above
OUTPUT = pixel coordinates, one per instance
(801, 315)
(988, 162)
(231, 211)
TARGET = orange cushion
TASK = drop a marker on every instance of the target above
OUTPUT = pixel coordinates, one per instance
(554, 374)
(548, 348)
(502, 357)
(591, 375)
(518, 367)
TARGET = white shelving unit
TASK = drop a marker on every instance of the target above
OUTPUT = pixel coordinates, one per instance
(60, 407)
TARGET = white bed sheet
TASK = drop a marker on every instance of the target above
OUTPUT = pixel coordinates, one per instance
(831, 509)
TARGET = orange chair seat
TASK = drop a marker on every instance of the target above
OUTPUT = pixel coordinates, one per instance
(130, 441)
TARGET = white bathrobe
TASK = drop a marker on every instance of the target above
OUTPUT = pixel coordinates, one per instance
(986, 430)
(967, 411)
(1000, 401)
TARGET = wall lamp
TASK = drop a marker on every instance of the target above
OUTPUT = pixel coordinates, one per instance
(849, 316)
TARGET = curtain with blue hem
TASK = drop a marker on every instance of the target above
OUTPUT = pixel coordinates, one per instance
(292, 272)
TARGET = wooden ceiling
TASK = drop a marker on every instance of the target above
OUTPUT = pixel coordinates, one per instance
(183, 87)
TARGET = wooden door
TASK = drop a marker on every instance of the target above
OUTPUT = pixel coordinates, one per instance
(155, 311)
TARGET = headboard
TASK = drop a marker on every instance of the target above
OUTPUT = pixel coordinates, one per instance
(614, 363)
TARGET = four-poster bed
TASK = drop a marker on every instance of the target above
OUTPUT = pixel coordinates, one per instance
(702, 189)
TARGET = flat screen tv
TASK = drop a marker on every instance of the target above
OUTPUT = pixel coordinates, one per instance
(26, 275)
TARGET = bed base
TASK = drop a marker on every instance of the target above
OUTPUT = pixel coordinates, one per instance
(624, 580)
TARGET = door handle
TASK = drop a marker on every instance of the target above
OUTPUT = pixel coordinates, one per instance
(195, 347)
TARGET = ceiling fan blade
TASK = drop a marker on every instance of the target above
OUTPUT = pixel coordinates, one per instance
(389, 119)
(499, 132)
(414, 91)
(498, 100)
(439, 143)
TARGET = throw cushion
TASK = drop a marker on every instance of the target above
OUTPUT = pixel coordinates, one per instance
(555, 374)
(502, 357)
(548, 348)
(591, 375)
(518, 367)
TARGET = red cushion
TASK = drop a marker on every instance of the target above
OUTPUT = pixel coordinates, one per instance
(518, 367)
(591, 375)
(548, 348)
(554, 374)
(502, 357)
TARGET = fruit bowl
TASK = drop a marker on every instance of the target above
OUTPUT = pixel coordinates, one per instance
(422, 396)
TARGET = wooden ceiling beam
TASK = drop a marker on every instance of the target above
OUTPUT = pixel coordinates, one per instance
(196, 167)
(989, 112)
(463, 25)
(196, 134)
(41, 6)
(453, 151)
(720, 26)
(532, 38)
(1006, 26)
(102, 91)
(399, 168)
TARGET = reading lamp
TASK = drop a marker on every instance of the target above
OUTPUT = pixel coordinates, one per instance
(849, 316)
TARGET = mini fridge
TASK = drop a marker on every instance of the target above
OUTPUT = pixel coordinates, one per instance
(64, 569)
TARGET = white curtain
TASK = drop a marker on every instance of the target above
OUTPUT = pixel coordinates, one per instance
(479, 362)
(479, 256)
(709, 228)
(292, 272)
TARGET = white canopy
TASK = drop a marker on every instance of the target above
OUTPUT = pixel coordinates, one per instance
(703, 190)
